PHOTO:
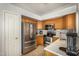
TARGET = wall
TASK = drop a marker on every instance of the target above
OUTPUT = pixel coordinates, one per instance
(77, 19)
(77, 24)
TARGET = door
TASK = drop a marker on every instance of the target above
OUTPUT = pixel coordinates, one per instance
(12, 34)
(34, 31)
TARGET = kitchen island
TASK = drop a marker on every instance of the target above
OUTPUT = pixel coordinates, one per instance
(53, 48)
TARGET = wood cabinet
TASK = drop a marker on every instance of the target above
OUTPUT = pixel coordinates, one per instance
(39, 25)
(64, 22)
(70, 21)
(29, 20)
(39, 40)
(57, 21)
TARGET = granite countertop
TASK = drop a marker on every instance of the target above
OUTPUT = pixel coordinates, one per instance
(54, 47)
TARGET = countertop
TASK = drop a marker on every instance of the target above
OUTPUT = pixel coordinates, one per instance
(54, 47)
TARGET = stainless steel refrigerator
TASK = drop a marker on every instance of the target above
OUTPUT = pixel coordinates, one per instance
(28, 37)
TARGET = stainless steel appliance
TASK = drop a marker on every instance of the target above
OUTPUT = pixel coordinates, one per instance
(49, 26)
(50, 33)
(28, 37)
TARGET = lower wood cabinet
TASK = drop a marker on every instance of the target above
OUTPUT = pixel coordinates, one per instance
(39, 40)
(46, 53)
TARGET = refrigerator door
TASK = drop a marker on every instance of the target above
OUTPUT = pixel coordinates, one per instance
(26, 32)
(32, 31)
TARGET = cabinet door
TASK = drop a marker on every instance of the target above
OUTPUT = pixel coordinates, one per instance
(70, 21)
(40, 40)
(12, 34)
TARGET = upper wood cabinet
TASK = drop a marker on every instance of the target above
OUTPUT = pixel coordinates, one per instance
(70, 21)
(39, 25)
(29, 20)
(64, 22)
(57, 21)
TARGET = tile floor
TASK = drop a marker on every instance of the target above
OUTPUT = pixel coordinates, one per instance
(39, 51)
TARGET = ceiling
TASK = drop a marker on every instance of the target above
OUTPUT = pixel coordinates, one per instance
(42, 8)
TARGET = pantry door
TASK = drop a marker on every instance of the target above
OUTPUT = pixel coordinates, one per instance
(12, 34)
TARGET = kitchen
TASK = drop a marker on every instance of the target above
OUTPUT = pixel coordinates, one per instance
(38, 29)
(61, 25)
